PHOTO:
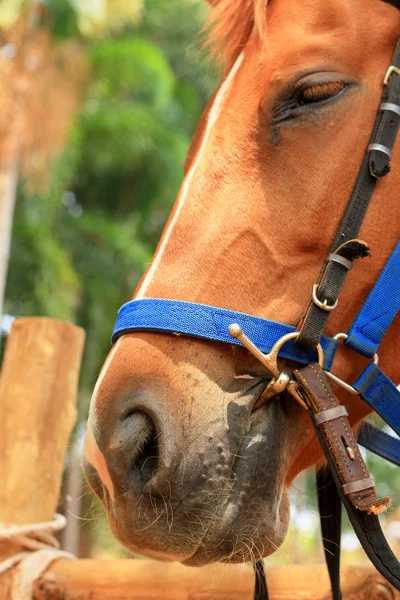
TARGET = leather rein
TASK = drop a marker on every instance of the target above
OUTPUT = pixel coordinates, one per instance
(347, 480)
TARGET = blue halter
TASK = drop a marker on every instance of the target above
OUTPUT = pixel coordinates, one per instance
(365, 335)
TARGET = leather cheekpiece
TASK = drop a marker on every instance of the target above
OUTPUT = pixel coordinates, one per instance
(339, 440)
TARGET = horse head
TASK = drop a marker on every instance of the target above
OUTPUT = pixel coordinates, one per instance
(188, 466)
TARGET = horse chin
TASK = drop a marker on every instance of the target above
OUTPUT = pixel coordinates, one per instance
(232, 537)
(235, 541)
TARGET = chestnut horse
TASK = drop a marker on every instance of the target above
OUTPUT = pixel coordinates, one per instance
(184, 466)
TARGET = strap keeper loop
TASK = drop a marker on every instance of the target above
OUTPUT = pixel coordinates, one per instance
(380, 148)
(329, 415)
(345, 262)
(358, 486)
(390, 107)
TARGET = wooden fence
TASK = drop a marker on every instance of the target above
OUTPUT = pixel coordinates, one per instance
(38, 390)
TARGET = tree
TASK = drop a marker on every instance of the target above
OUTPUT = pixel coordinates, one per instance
(42, 81)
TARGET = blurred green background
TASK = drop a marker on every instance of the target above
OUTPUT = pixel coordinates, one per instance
(116, 92)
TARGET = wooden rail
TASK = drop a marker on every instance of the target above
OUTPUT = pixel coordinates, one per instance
(148, 580)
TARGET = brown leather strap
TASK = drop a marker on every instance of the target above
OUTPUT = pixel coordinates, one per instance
(340, 441)
(375, 164)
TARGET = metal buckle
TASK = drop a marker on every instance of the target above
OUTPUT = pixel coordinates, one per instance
(324, 305)
(346, 386)
(392, 69)
(281, 380)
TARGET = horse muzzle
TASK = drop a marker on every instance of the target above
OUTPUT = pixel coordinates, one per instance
(196, 479)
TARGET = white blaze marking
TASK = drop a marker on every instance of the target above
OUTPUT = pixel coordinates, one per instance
(92, 409)
(184, 192)
(92, 452)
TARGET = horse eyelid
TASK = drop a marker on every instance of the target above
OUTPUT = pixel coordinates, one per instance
(292, 108)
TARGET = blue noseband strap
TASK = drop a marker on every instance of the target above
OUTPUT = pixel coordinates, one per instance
(211, 323)
(365, 336)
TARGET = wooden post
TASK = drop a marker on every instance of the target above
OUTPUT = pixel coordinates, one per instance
(38, 393)
(148, 580)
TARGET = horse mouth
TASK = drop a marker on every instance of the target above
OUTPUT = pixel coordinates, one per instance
(231, 506)
(253, 519)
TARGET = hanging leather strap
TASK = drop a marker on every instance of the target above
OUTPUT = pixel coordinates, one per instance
(260, 585)
(376, 164)
(368, 530)
(330, 511)
(330, 504)
(330, 419)
(365, 522)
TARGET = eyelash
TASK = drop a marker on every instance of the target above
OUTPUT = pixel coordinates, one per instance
(312, 94)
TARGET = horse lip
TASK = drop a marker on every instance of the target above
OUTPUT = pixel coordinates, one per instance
(195, 559)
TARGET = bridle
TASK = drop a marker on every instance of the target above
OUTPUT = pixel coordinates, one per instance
(347, 480)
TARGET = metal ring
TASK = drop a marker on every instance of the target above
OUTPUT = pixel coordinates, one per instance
(391, 69)
(340, 336)
(344, 336)
(293, 336)
(391, 107)
(380, 148)
(346, 386)
(324, 305)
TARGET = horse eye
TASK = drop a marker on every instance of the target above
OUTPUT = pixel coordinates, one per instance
(319, 92)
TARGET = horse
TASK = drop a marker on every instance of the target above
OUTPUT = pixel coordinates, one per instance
(188, 464)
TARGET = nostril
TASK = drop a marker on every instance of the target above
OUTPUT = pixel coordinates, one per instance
(145, 462)
(133, 450)
(141, 435)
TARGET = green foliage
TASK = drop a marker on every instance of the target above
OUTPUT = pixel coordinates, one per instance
(132, 69)
(63, 18)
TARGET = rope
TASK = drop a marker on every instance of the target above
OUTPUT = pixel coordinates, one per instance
(42, 549)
